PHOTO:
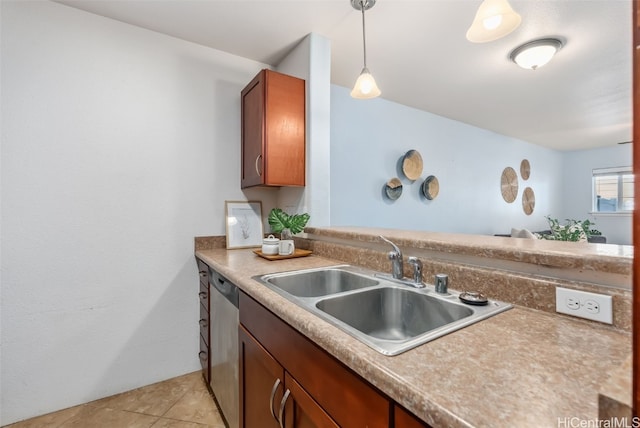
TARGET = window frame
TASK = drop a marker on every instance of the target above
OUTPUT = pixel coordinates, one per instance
(620, 172)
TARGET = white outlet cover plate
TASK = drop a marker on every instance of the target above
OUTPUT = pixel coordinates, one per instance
(566, 297)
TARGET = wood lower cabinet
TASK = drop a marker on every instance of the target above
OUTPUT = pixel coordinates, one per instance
(275, 358)
(205, 340)
(270, 396)
(273, 131)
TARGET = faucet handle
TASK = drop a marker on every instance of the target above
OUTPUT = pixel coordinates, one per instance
(417, 270)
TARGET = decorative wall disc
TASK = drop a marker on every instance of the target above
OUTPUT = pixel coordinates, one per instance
(393, 188)
(525, 169)
(412, 165)
(528, 201)
(509, 184)
(430, 187)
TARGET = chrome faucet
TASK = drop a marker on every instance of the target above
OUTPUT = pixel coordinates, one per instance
(397, 268)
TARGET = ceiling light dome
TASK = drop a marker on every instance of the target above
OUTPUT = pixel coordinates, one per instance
(494, 19)
(535, 54)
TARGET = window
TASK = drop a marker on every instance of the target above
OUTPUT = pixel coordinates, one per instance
(613, 189)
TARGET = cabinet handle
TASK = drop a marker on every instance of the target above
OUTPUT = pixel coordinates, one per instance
(203, 273)
(202, 355)
(203, 322)
(273, 394)
(202, 295)
(258, 165)
(283, 404)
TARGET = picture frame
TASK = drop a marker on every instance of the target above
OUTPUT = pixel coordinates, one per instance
(244, 224)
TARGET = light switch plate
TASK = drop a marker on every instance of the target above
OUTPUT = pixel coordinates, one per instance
(583, 304)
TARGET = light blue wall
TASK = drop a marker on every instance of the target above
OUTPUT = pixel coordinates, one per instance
(578, 166)
(369, 137)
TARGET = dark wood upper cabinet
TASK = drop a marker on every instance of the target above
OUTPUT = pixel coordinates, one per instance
(273, 131)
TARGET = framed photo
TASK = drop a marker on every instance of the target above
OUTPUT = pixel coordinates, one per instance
(244, 224)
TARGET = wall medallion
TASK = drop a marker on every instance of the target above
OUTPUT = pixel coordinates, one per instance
(509, 184)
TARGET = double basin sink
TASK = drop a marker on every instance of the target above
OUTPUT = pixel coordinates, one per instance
(388, 315)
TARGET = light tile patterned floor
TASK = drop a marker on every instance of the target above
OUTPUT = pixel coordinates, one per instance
(181, 402)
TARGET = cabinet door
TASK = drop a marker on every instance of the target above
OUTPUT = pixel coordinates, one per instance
(273, 131)
(302, 411)
(253, 114)
(261, 384)
(284, 147)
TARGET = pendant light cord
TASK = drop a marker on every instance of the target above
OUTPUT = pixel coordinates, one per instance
(364, 40)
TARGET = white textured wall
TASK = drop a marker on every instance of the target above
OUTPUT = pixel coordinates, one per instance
(119, 145)
(311, 60)
(369, 137)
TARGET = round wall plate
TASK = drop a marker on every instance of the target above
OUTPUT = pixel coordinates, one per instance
(412, 165)
(509, 184)
(393, 188)
(430, 187)
(525, 169)
(528, 201)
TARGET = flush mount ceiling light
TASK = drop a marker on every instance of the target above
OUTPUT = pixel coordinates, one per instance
(365, 86)
(535, 54)
(494, 19)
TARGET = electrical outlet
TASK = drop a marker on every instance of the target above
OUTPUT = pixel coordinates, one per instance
(597, 307)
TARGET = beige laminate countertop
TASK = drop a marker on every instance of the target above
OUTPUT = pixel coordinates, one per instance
(521, 368)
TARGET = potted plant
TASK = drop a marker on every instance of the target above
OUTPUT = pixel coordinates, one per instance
(574, 230)
(287, 225)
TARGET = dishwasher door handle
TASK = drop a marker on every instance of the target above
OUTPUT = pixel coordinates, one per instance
(226, 288)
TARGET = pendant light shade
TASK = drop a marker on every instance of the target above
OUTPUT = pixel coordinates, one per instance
(494, 19)
(365, 86)
(535, 54)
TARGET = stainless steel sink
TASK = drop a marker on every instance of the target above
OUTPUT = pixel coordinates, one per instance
(393, 313)
(315, 283)
(388, 316)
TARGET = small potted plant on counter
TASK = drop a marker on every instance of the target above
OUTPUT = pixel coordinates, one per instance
(285, 224)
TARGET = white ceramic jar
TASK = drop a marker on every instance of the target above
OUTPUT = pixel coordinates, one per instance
(270, 245)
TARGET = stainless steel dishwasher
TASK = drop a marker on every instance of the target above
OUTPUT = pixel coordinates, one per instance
(224, 319)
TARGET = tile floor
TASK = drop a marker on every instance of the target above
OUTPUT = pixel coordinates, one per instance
(181, 402)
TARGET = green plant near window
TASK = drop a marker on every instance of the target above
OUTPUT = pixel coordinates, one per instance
(574, 230)
(286, 224)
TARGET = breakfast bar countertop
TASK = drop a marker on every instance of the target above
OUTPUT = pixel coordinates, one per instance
(523, 367)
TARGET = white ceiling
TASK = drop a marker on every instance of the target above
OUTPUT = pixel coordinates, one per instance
(420, 57)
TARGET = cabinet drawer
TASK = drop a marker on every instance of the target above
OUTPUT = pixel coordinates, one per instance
(204, 324)
(203, 295)
(344, 395)
(203, 355)
(203, 271)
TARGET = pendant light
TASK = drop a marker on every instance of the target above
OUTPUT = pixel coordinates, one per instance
(365, 86)
(535, 54)
(494, 19)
